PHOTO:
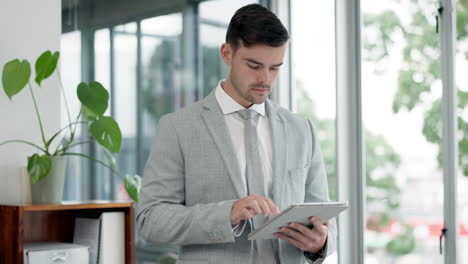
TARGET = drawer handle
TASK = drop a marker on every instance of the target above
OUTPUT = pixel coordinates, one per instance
(59, 256)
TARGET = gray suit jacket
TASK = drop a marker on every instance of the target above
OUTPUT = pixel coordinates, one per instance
(191, 180)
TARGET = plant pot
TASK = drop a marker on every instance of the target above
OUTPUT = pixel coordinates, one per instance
(50, 189)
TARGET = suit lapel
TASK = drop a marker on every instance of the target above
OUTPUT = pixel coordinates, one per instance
(279, 148)
(214, 120)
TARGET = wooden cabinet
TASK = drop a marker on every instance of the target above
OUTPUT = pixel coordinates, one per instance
(19, 224)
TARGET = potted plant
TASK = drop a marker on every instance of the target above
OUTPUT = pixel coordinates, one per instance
(47, 167)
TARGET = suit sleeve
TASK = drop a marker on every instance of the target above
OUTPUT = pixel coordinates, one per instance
(317, 188)
(163, 217)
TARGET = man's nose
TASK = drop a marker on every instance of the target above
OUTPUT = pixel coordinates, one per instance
(263, 76)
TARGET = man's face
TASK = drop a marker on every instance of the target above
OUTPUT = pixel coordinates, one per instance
(252, 71)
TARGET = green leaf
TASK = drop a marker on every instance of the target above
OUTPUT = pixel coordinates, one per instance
(88, 114)
(94, 96)
(107, 133)
(45, 65)
(15, 76)
(110, 157)
(39, 167)
(133, 186)
(167, 260)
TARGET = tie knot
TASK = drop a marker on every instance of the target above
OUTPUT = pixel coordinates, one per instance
(248, 114)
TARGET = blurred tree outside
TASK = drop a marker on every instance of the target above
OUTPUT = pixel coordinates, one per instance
(419, 82)
(382, 192)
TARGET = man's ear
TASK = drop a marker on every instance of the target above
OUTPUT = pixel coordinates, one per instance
(226, 53)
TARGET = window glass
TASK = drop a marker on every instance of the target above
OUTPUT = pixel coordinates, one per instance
(213, 26)
(125, 40)
(214, 69)
(105, 180)
(313, 73)
(70, 72)
(162, 93)
(401, 100)
(461, 80)
(221, 10)
(162, 72)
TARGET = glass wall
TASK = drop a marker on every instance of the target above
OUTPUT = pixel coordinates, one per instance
(70, 72)
(401, 103)
(104, 181)
(161, 72)
(125, 99)
(214, 67)
(141, 88)
(141, 63)
(461, 79)
(313, 68)
(221, 10)
(213, 26)
(162, 93)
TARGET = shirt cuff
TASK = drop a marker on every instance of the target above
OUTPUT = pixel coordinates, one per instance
(316, 258)
(238, 229)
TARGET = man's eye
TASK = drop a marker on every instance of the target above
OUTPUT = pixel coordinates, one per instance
(253, 67)
(274, 69)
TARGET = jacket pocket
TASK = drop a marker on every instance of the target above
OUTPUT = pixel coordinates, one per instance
(295, 187)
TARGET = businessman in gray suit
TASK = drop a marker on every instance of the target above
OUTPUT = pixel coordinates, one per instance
(223, 165)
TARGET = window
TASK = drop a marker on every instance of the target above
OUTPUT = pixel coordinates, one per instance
(462, 84)
(213, 26)
(70, 71)
(313, 68)
(105, 181)
(125, 96)
(145, 89)
(162, 72)
(401, 91)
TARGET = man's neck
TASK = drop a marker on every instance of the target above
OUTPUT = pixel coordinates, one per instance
(228, 87)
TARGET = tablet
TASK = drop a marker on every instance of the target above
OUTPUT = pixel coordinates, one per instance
(299, 213)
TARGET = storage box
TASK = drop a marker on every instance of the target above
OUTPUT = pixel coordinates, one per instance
(55, 252)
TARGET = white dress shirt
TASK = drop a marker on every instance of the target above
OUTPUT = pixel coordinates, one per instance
(235, 125)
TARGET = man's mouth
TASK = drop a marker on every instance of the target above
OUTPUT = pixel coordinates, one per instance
(260, 90)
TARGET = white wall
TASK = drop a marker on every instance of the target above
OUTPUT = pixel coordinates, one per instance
(27, 28)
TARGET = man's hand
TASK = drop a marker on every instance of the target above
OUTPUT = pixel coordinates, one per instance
(306, 239)
(250, 206)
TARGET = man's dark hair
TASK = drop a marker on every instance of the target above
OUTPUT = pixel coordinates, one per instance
(255, 24)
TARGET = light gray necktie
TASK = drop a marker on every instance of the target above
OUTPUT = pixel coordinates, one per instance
(254, 175)
(263, 249)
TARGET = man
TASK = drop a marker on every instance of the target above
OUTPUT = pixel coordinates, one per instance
(223, 164)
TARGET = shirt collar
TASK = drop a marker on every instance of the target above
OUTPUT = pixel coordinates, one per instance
(229, 105)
